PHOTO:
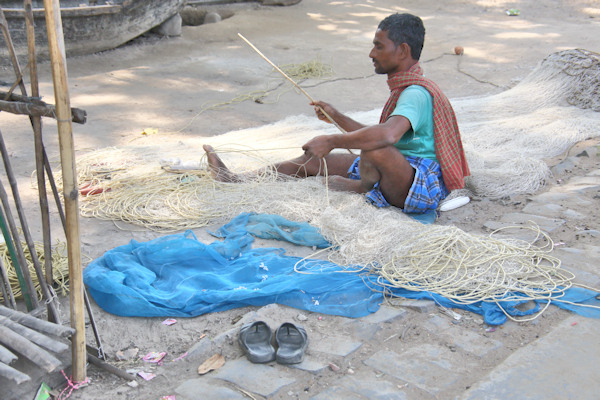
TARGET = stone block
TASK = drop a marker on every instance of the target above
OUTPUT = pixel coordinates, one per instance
(471, 342)
(372, 388)
(546, 224)
(256, 378)
(333, 345)
(310, 364)
(210, 389)
(554, 196)
(171, 27)
(437, 324)
(361, 330)
(561, 365)
(427, 367)
(336, 393)
(422, 306)
(545, 209)
(385, 314)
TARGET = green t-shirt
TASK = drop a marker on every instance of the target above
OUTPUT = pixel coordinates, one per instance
(416, 104)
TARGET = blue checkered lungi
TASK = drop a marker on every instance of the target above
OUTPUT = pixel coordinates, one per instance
(427, 190)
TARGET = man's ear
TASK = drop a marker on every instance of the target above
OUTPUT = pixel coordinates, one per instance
(404, 51)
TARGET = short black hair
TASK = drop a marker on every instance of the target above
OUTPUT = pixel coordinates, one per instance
(405, 28)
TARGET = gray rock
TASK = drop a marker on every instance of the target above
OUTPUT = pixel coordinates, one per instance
(591, 152)
(564, 166)
(212, 17)
(171, 27)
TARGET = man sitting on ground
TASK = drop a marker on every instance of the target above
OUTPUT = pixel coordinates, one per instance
(412, 158)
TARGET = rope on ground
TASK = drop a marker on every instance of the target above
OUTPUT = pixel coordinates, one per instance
(60, 268)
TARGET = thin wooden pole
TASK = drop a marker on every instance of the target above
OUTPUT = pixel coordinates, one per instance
(11, 49)
(7, 293)
(39, 147)
(16, 252)
(38, 324)
(52, 310)
(70, 191)
(36, 123)
(291, 80)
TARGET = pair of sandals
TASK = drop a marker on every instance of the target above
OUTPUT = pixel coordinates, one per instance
(255, 339)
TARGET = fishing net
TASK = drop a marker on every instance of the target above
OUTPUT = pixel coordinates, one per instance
(506, 139)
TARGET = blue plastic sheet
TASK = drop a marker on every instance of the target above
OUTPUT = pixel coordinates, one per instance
(179, 276)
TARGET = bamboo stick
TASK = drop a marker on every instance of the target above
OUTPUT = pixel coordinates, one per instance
(11, 49)
(59, 207)
(31, 351)
(70, 189)
(54, 315)
(39, 155)
(6, 356)
(36, 123)
(16, 252)
(292, 81)
(13, 374)
(34, 336)
(39, 110)
(37, 324)
(109, 368)
(7, 293)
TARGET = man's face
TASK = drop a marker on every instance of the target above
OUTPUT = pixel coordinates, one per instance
(385, 54)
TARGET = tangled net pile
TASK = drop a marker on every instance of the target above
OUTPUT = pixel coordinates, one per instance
(506, 137)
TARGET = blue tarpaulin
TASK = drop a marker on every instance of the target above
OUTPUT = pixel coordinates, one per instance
(179, 276)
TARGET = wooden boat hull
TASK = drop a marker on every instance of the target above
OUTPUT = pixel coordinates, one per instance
(90, 29)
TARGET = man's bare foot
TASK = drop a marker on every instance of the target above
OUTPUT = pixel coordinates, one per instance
(217, 168)
(342, 184)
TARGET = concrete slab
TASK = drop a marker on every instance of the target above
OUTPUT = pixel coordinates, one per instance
(561, 365)
(262, 379)
(334, 345)
(384, 314)
(311, 365)
(335, 393)
(208, 389)
(471, 342)
(546, 224)
(373, 388)
(427, 367)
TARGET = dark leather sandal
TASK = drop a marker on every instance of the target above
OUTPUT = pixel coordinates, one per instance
(292, 342)
(255, 340)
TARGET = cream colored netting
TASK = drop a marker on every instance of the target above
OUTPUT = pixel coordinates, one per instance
(506, 138)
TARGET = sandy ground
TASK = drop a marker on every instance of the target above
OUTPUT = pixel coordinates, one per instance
(166, 83)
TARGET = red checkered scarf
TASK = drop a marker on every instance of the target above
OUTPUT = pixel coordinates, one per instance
(448, 146)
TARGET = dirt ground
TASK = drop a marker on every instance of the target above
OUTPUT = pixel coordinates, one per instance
(168, 84)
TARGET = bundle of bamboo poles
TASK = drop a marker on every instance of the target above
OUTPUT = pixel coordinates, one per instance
(33, 338)
(64, 115)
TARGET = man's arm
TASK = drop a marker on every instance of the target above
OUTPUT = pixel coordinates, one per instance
(345, 122)
(366, 138)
